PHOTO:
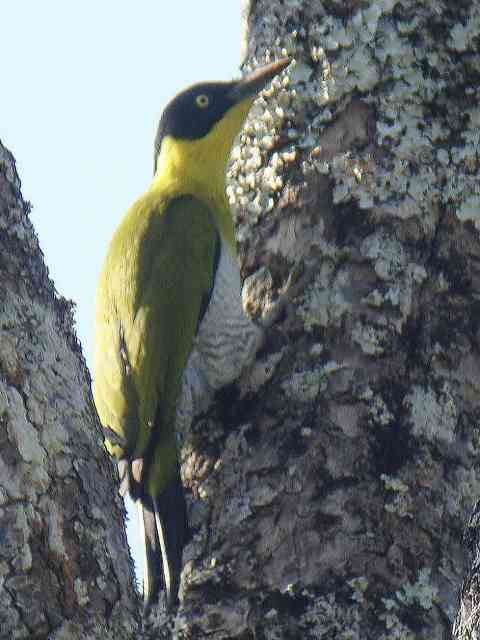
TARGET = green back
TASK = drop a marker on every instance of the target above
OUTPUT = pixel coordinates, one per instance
(153, 291)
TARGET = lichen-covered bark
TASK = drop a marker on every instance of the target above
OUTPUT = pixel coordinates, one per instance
(65, 572)
(331, 487)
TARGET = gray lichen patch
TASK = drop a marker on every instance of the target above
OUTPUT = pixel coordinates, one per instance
(433, 415)
(304, 386)
(326, 301)
(371, 339)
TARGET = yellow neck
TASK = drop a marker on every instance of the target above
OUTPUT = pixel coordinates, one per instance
(198, 167)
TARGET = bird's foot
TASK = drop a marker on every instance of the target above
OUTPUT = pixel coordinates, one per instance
(299, 278)
(113, 437)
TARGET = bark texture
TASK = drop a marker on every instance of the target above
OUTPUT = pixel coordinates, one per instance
(330, 488)
(65, 572)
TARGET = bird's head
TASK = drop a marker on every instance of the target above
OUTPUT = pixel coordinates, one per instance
(198, 127)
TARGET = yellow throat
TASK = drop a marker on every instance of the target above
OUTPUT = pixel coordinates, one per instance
(198, 167)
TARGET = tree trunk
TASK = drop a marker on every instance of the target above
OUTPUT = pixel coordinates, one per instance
(331, 496)
(65, 572)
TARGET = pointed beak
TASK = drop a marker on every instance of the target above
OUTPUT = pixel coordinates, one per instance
(250, 85)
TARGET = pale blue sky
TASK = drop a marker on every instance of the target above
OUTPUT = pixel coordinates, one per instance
(83, 84)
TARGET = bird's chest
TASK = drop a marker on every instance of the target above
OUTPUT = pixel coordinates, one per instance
(226, 341)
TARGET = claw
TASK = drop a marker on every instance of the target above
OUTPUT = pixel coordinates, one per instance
(298, 280)
(113, 437)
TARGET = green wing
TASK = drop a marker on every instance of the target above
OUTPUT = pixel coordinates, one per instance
(153, 291)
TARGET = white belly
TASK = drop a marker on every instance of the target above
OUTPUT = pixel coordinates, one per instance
(226, 343)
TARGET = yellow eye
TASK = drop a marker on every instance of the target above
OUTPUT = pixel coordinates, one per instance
(202, 101)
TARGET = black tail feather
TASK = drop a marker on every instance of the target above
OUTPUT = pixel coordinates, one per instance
(165, 527)
(152, 562)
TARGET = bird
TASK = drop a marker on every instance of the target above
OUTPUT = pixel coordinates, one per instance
(170, 325)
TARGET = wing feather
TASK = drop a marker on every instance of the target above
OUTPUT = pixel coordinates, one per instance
(153, 292)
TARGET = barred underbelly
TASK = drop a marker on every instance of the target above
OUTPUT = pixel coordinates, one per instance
(226, 342)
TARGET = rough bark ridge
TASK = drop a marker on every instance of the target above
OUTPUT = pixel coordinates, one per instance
(65, 572)
(330, 502)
